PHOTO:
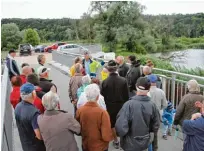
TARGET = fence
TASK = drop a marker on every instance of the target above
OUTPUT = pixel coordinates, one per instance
(6, 113)
(172, 82)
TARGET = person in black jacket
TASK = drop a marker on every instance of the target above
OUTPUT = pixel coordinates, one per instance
(123, 67)
(133, 74)
(44, 83)
(114, 89)
(11, 64)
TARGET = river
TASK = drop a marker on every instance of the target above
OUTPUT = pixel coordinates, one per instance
(193, 58)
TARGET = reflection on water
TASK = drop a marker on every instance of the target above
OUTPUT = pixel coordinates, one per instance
(193, 58)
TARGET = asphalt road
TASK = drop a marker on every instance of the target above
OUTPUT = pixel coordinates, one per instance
(61, 82)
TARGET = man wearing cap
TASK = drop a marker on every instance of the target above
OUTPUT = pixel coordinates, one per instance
(188, 106)
(137, 119)
(91, 66)
(44, 83)
(26, 119)
(115, 92)
(159, 98)
(11, 64)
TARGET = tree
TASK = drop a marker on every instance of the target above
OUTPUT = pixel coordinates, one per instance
(10, 36)
(31, 37)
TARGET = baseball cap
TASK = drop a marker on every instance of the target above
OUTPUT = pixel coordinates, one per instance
(42, 70)
(27, 88)
(170, 106)
(143, 83)
(12, 51)
(152, 78)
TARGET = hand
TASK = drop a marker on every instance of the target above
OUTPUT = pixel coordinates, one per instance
(74, 102)
(195, 116)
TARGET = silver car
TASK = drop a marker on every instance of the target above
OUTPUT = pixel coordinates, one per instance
(72, 48)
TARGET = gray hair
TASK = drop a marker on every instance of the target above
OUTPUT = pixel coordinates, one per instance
(50, 100)
(40, 58)
(92, 91)
(121, 58)
(26, 96)
(86, 79)
(78, 68)
(146, 69)
(193, 86)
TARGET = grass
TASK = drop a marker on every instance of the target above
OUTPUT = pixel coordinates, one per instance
(4, 54)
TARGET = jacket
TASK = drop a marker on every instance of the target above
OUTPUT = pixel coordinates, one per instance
(133, 74)
(123, 69)
(12, 66)
(81, 90)
(60, 138)
(96, 131)
(194, 130)
(168, 116)
(38, 104)
(15, 96)
(137, 118)
(45, 84)
(115, 92)
(74, 83)
(39, 92)
(187, 107)
(23, 78)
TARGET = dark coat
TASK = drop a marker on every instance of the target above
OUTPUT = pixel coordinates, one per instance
(137, 118)
(115, 92)
(123, 69)
(12, 67)
(45, 84)
(133, 74)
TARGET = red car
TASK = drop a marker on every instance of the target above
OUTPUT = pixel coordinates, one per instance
(54, 47)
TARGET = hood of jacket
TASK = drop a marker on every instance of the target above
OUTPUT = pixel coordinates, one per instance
(136, 63)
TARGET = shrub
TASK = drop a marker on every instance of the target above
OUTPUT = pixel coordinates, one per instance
(151, 47)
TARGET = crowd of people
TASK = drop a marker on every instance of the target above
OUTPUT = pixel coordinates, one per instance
(127, 103)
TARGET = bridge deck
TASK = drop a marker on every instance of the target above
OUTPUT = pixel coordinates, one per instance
(61, 81)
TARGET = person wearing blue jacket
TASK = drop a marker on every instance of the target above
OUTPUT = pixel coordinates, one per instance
(167, 119)
(194, 130)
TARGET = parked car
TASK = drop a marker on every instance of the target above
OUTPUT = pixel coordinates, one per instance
(40, 48)
(25, 49)
(53, 47)
(72, 48)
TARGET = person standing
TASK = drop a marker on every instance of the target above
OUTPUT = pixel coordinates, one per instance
(26, 70)
(115, 92)
(75, 83)
(26, 119)
(95, 122)
(72, 69)
(11, 64)
(133, 74)
(41, 60)
(57, 127)
(187, 106)
(137, 118)
(123, 67)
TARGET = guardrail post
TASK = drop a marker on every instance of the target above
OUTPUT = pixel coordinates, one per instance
(164, 84)
(173, 83)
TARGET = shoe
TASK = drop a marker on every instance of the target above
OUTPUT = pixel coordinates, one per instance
(116, 145)
(164, 137)
(169, 133)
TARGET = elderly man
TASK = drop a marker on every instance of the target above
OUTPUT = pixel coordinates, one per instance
(123, 67)
(115, 92)
(11, 64)
(26, 119)
(26, 70)
(137, 118)
(194, 131)
(57, 136)
(187, 106)
(45, 84)
(41, 60)
(75, 83)
(95, 122)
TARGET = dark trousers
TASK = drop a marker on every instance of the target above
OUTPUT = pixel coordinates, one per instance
(155, 142)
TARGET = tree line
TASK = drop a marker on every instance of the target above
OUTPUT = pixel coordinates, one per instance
(116, 25)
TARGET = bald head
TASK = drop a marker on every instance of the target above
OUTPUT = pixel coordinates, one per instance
(120, 60)
(26, 70)
(146, 70)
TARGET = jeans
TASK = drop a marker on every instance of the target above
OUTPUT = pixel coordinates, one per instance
(167, 128)
(150, 147)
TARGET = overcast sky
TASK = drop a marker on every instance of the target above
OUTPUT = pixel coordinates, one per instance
(75, 8)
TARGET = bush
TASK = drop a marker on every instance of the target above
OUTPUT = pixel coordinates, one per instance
(140, 49)
(197, 46)
(151, 47)
(179, 46)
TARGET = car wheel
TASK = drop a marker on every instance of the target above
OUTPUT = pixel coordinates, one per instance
(50, 51)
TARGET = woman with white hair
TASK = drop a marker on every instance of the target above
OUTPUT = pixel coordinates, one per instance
(57, 136)
(86, 80)
(83, 99)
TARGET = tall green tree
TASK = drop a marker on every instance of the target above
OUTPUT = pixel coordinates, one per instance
(31, 36)
(10, 36)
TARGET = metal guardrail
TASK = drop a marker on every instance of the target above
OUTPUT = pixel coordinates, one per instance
(173, 87)
(6, 113)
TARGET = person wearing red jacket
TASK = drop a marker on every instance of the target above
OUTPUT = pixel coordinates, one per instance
(26, 70)
(15, 93)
